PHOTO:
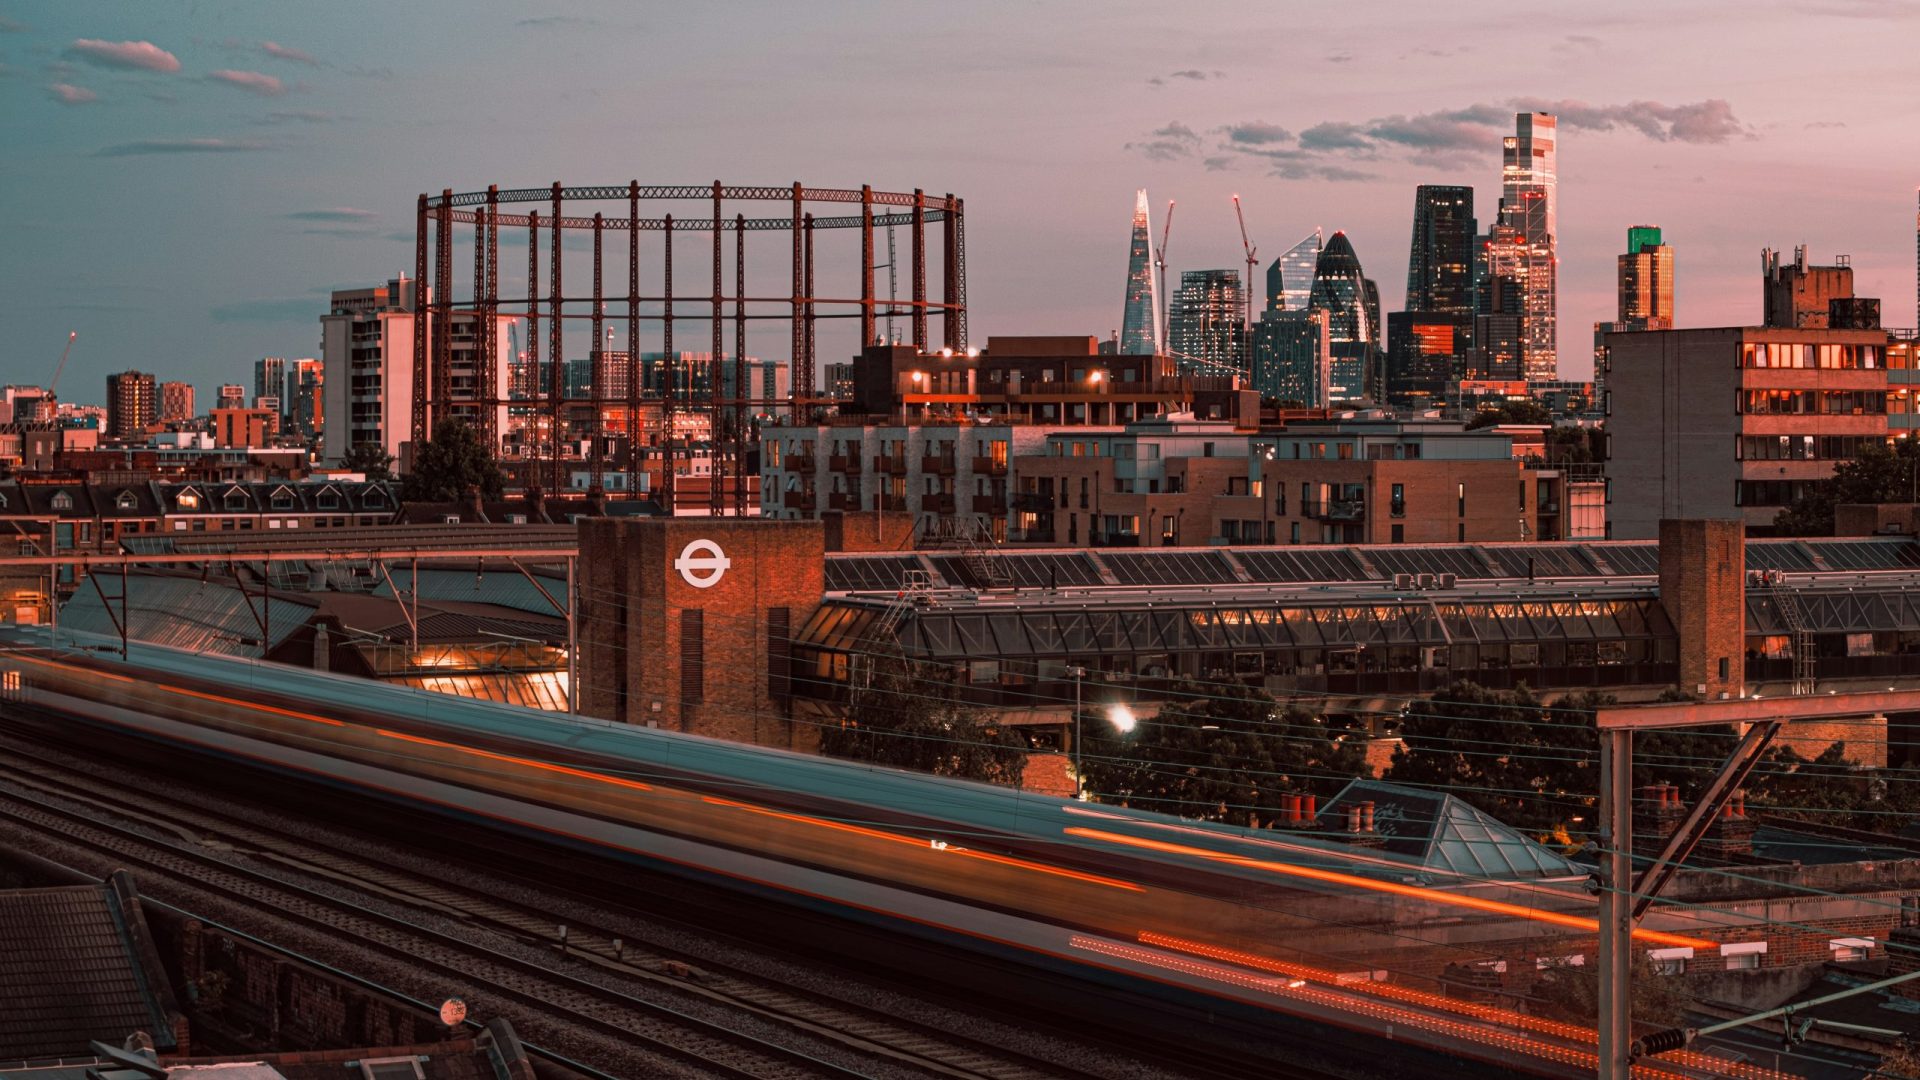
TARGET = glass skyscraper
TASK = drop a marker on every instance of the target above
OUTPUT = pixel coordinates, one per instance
(1140, 323)
(1204, 329)
(1352, 304)
(1292, 358)
(1529, 207)
(1646, 281)
(1440, 260)
(1290, 277)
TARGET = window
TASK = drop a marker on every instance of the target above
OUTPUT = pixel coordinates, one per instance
(693, 656)
(126, 501)
(1744, 955)
(1460, 493)
(1848, 949)
(1670, 961)
(1398, 505)
(61, 501)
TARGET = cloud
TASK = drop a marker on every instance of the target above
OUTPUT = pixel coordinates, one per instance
(1196, 75)
(1710, 121)
(136, 55)
(1817, 124)
(295, 309)
(68, 94)
(1257, 133)
(282, 52)
(338, 213)
(1340, 58)
(550, 22)
(1169, 143)
(1578, 43)
(8, 26)
(251, 81)
(302, 116)
(1334, 135)
(1217, 163)
(183, 146)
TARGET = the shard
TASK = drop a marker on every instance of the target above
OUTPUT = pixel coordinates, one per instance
(1140, 326)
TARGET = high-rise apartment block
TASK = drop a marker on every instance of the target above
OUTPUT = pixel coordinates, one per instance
(1140, 322)
(1293, 357)
(270, 377)
(1206, 331)
(1526, 232)
(132, 404)
(230, 396)
(367, 368)
(176, 402)
(303, 406)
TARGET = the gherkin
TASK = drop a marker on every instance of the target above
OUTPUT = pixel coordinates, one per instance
(1352, 304)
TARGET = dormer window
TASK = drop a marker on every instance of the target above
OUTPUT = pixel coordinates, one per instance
(187, 500)
(62, 501)
(235, 501)
(282, 499)
(329, 499)
(373, 497)
(125, 502)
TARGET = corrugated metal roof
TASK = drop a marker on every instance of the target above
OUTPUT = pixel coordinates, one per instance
(187, 613)
(504, 587)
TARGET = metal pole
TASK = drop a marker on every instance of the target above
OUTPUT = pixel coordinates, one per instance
(413, 594)
(1079, 782)
(573, 648)
(1616, 902)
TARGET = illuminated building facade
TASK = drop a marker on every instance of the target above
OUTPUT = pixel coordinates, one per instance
(1205, 328)
(1140, 323)
(1529, 209)
(1290, 277)
(1352, 304)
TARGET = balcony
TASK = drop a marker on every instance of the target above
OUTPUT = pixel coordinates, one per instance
(803, 501)
(991, 505)
(892, 502)
(842, 500)
(843, 463)
(1113, 539)
(1337, 510)
(1033, 502)
(986, 466)
(890, 466)
(799, 463)
(937, 504)
(937, 466)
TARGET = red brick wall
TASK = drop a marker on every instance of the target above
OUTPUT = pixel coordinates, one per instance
(1703, 587)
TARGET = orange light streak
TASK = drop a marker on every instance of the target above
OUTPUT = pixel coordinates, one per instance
(1334, 877)
(544, 766)
(926, 843)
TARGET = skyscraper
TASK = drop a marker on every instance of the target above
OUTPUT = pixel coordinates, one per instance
(1440, 261)
(1292, 357)
(131, 404)
(1352, 304)
(1529, 207)
(1646, 281)
(1140, 323)
(1290, 277)
(270, 377)
(1204, 329)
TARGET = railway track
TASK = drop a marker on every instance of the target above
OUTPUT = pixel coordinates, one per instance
(223, 851)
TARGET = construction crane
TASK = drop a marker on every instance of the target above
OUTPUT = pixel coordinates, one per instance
(52, 402)
(1246, 290)
(1160, 264)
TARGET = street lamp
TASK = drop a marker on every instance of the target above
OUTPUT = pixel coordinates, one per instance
(1122, 718)
(1079, 783)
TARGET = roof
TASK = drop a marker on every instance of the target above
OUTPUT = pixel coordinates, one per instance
(1448, 836)
(205, 614)
(74, 967)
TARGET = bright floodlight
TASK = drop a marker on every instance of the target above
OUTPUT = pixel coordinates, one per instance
(1122, 718)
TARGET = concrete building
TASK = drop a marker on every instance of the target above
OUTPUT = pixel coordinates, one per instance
(1736, 422)
(176, 402)
(132, 404)
(367, 359)
(949, 477)
(239, 428)
(303, 406)
(230, 396)
(1051, 381)
(1798, 295)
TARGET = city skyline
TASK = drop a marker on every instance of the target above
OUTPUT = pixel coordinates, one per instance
(194, 202)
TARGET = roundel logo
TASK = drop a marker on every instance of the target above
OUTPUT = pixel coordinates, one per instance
(702, 564)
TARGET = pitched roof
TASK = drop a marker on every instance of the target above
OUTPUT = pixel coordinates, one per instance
(1449, 836)
(72, 969)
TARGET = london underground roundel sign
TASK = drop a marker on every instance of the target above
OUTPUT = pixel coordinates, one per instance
(702, 564)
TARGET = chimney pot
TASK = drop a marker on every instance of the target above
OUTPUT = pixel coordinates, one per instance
(1309, 808)
(1366, 816)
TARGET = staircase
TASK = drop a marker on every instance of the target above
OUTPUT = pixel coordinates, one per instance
(1800, 633)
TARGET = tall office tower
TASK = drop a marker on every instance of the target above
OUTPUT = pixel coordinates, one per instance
(1352, 304)
(1529, 207)
(176, 402)
(270, 377)
(1204, 329)
(1140, 323)
(1292, 357)
(131, 404)
(230, 396)
(1646, 281)
(1440, 261)
(1290, 277)
(303, 406)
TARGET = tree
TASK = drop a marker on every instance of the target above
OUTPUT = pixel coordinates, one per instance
(1222, 752)
(1511, 412)
(1880, 473)
(1533, 767)
(910, 717)
(1572, 994)
(451, 465)
(369, 460)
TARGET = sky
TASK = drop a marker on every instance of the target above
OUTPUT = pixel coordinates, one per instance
(184, 183)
